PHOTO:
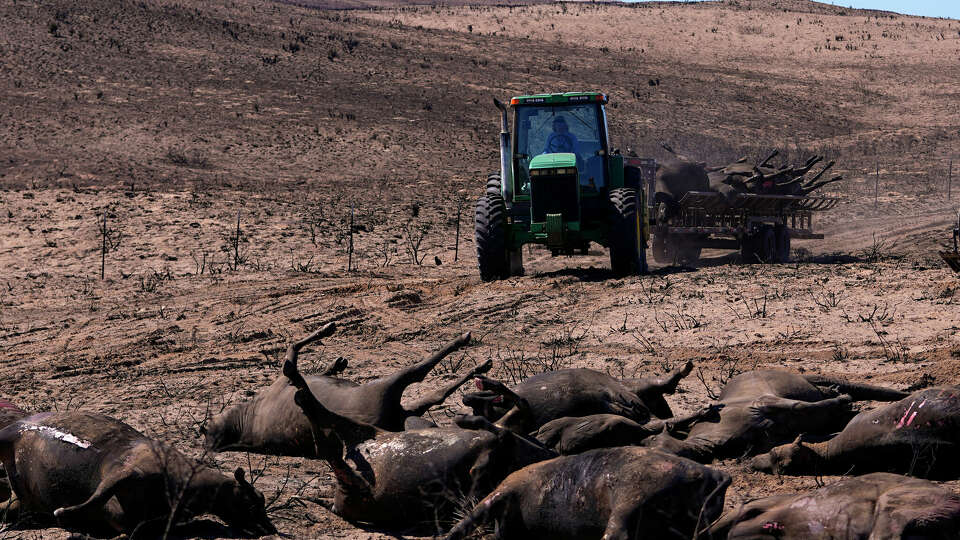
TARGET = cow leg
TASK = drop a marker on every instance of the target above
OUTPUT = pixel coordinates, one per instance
(859, 392)
(619, 524)
(322, 420)
(345, 430)
(93, 510)
(697, 449)
(10, 509)
(780, 405)
(334, 367)
(824, 415)
(745, 512)
(651, 390)
(439, 395)
(683, 423)
(494, 507)
(392, 387)
(660, 385)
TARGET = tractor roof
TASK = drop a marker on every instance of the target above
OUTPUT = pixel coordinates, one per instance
(559, 99)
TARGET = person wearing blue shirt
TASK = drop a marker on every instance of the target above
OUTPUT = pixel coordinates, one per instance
(561, 140)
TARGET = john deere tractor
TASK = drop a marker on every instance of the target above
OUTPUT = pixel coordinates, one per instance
(560, 185)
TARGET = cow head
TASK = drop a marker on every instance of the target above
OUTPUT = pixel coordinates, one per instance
(792, 458)
(242, 506)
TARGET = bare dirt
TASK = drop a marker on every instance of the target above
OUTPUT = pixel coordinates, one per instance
(174, 119)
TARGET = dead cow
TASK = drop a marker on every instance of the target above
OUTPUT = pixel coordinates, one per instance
(93, 472)
(613, 493)
(918, 435)
(878, 505)
(409, 478)
(573, 435)
(272, 423)
(583, 392)
(764, 408)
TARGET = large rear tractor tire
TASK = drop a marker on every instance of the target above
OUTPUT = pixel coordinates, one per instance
(490, 228)
(493, 184)
(627, 254)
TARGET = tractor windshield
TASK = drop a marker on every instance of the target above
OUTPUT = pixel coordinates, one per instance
(571, 129)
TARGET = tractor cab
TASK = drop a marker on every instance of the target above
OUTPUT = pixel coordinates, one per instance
(546, 125)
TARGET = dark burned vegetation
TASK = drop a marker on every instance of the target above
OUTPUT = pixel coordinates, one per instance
(190, 188)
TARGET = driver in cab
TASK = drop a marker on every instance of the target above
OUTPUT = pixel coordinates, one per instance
(561, 140)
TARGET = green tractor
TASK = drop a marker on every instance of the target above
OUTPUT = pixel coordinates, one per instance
(560, 185)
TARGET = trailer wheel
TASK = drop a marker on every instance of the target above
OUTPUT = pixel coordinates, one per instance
(490, 228)
(759, 246)
(627, 255)
(768, 245)
(672, 250)
(749, 248)
(782, 234)
(687, 253)
(659, 248)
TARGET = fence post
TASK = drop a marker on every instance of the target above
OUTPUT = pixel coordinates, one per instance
(350, 246)
(876, 188)
(456, 246)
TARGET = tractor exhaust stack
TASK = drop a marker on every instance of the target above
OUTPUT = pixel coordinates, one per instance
(506, 170)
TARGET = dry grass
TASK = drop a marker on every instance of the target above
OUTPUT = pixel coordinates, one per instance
(181, 117)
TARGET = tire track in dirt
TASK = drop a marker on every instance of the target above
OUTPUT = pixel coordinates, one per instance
(851, 236)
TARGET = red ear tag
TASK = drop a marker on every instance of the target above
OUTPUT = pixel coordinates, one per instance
(478, 382)
(773, 526)
(498, 399)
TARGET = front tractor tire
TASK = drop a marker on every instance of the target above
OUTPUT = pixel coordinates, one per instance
(627, 254)
(490, 228)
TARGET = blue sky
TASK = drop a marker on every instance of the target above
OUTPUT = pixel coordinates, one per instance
(928, 8)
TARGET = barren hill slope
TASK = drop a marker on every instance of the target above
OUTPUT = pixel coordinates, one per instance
(271, 94)
(316, 130)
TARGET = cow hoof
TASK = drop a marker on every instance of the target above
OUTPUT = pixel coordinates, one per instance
(61, 513)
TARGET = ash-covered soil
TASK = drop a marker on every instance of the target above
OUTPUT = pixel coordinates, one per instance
(176, 119)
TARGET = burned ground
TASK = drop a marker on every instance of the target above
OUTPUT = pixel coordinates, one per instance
(175, 119)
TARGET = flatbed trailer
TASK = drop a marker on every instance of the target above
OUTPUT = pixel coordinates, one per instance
(760, 226)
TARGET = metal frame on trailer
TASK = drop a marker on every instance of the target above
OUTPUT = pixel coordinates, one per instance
(708, 219)
(708, 212)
